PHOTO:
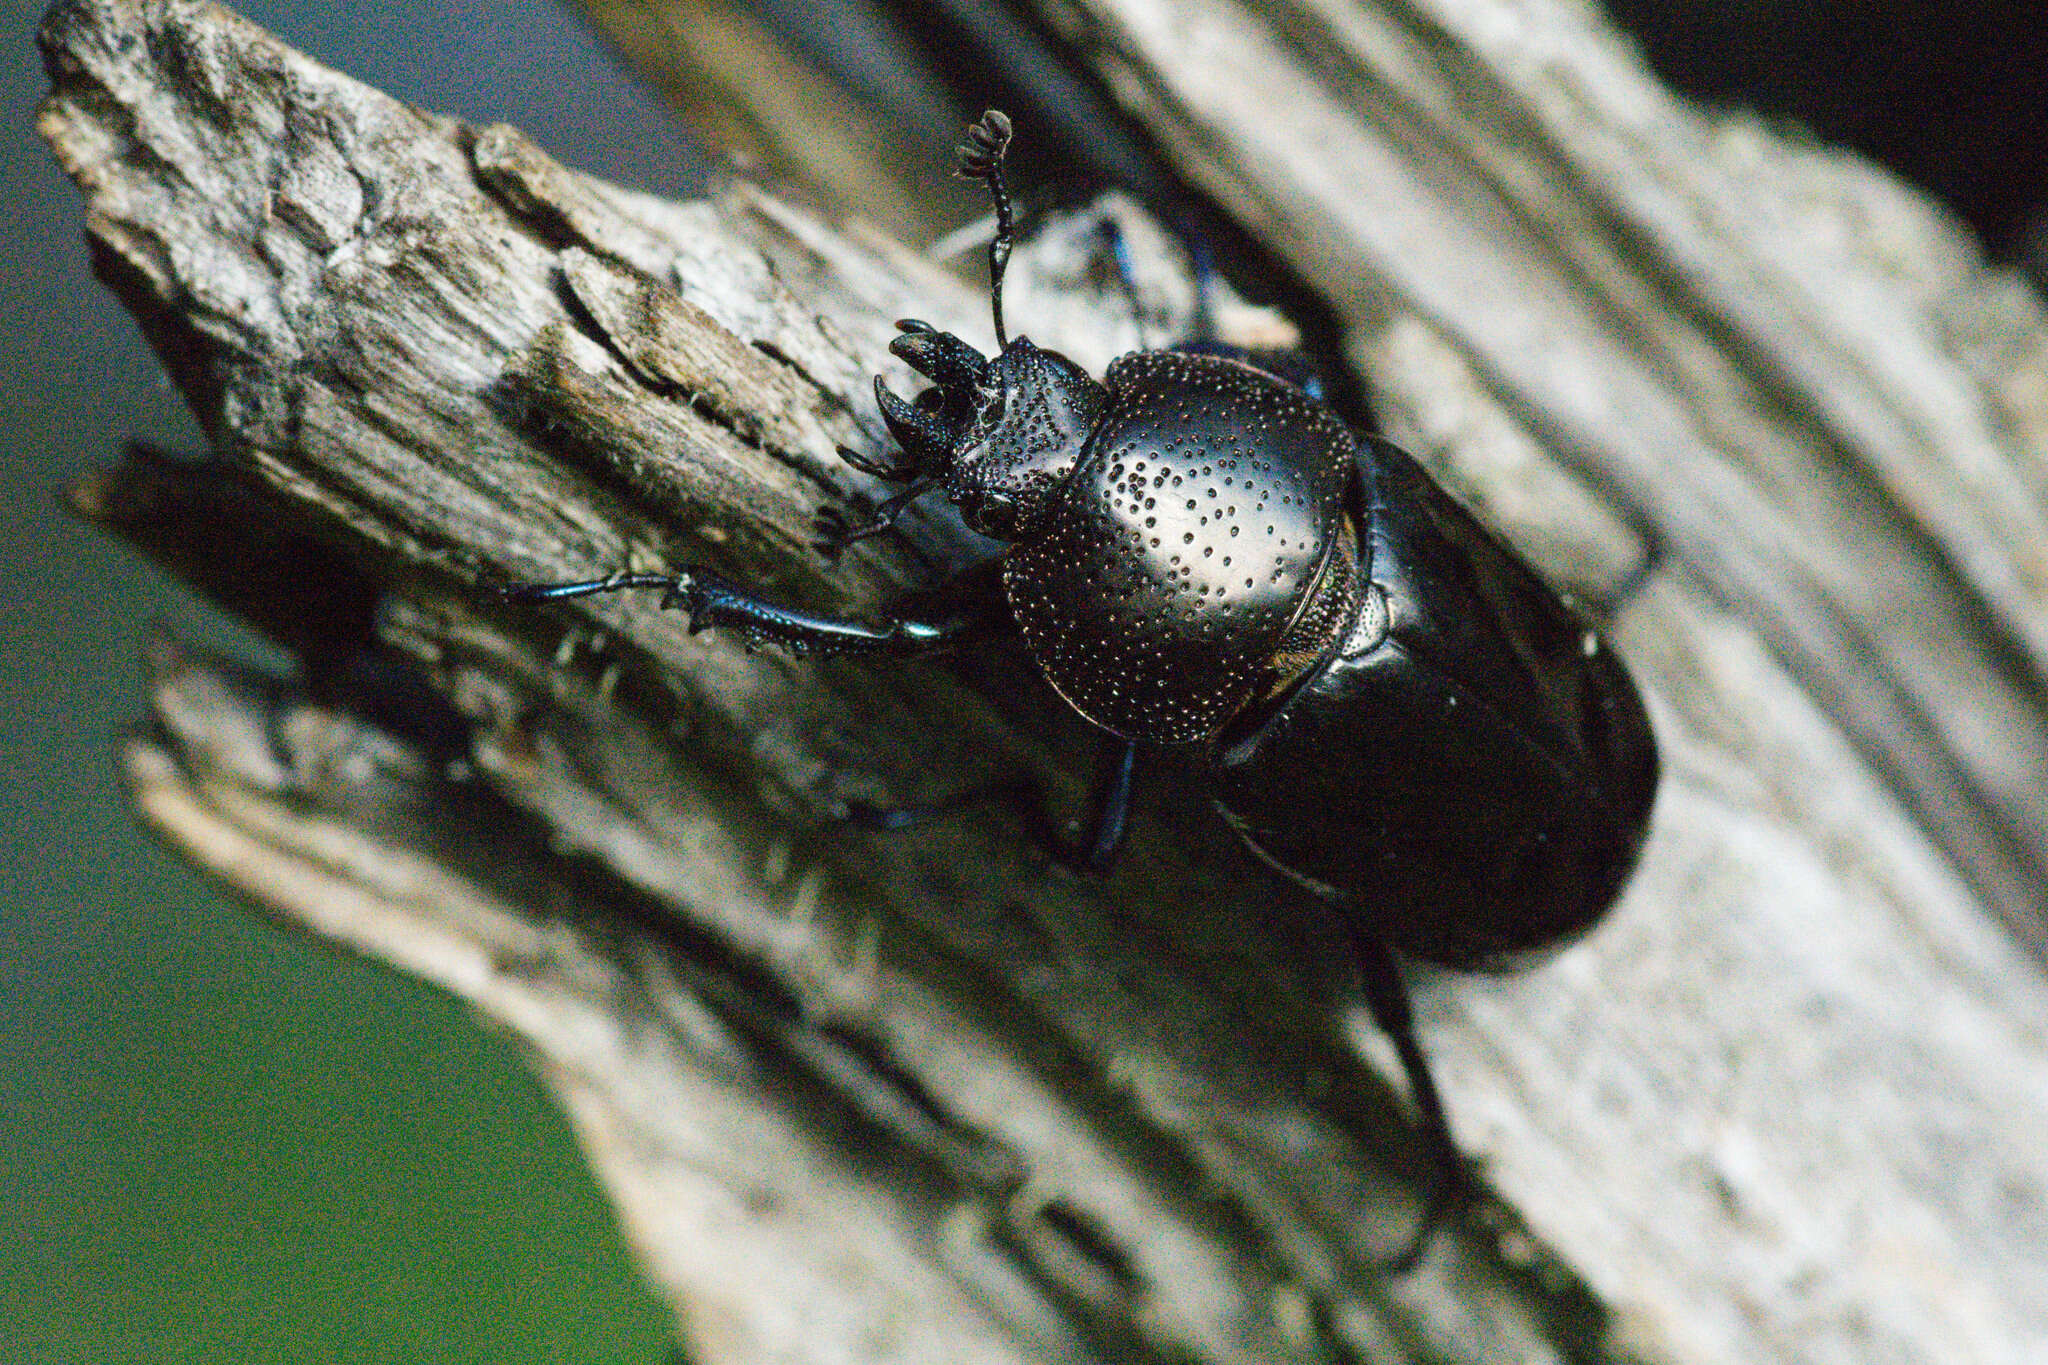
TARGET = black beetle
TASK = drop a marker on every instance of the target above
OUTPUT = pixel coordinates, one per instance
(1394, 711)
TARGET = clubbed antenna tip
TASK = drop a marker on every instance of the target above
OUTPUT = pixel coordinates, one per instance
(980, 156)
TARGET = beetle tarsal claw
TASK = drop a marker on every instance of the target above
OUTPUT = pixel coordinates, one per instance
(874, 468)
(831, 532)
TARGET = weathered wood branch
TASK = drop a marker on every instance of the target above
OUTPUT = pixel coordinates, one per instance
(919, 1098)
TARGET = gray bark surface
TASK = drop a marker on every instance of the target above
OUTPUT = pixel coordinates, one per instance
(922, 1098)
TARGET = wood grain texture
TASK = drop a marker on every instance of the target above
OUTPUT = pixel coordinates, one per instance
(922, 1099)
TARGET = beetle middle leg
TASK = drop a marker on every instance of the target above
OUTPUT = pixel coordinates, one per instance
(1102, 828)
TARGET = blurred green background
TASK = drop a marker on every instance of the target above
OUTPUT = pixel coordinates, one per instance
(221, 1142)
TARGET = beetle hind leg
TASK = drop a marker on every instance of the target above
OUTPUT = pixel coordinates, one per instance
(1386, 995)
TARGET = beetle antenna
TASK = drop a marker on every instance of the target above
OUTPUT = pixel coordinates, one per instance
(981, 158)
(1205, 289)
(1126, 271)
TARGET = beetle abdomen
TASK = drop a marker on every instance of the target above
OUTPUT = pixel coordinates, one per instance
(1166, 572)
(1486, 756)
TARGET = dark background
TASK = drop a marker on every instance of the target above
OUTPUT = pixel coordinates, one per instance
(223, 1143)
(1952, 94)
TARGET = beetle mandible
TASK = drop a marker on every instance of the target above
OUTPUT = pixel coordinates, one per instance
(1393, 710)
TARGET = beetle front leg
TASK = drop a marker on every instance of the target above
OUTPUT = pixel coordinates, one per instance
(833, 531)
(713, 601)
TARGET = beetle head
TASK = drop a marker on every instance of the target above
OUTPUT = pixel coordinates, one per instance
(1001, 433)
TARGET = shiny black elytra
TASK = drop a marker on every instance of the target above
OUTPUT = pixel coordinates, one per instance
(1393, 710)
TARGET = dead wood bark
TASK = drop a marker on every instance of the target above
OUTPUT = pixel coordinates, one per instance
(918, 1099)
